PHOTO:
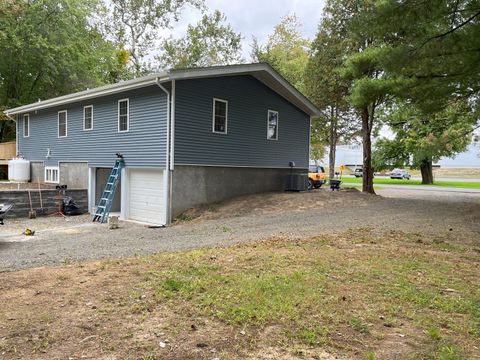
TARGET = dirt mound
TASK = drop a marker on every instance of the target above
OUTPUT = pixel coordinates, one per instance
(268, 203)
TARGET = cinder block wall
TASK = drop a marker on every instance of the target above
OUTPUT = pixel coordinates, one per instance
(50, 203)
(198, 185)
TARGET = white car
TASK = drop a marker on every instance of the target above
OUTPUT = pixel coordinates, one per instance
(400, 174)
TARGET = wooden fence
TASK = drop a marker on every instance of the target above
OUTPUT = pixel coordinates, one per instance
(7, 150)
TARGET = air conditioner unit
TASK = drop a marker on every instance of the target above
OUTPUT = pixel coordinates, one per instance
(296, 182)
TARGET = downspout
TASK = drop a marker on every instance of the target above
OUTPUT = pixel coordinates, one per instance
(167, 186)
(172, 142)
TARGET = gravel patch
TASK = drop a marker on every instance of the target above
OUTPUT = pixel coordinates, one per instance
(58, 241)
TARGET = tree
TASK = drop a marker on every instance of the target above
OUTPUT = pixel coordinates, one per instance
(428, 58)
(423, 138)
(433, 48)
(53, 50)
(136, 25)
(210, 42)
(286, 51)
(325, 86)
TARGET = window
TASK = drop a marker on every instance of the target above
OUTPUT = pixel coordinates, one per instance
(88, 117)
(272, 125)
(52, 174)
(62, 123)
(220, 112)
(26, 125)
(123, 115)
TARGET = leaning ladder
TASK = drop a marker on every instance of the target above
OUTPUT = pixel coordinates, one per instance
(103, 208)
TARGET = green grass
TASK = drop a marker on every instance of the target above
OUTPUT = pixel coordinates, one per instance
(442, 183)
(314, 290)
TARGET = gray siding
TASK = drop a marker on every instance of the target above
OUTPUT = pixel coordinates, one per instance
(246, 143)
(143, 146)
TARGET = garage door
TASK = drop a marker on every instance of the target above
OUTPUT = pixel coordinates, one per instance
(146, 196)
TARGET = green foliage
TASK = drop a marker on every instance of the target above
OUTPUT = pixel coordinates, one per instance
(389, 154)
(137, 23)
(421, 136)
(432, 47)
(286, 51)
(210, 42)
(53, 50)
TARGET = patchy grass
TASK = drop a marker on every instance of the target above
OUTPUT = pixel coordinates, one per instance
(361, 294)
(441, 183)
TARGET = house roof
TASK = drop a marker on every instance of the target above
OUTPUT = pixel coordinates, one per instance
(261, 71)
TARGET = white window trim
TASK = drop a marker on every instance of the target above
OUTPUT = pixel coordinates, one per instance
(27, 117)
(52, 168)
(226, 116)
(278, 124)
(128, 115)
(85, 107)
(66, 124)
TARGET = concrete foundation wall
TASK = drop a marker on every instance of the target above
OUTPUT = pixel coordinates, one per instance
(49, 198)
(37, 171)
(197, 185)
(74, 175)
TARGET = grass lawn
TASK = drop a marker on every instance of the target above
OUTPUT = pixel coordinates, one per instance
(442, 183)
(360, 295)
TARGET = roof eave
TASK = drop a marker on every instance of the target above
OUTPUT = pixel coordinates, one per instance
(88, 94)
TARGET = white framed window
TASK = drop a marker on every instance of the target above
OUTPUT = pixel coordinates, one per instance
(26, 125)
(272, 125)
(220, 116)
(88, 117)
(52, 174)
(123, 115)
(62, 123)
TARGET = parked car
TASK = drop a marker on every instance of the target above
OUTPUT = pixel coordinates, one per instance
(400, 174)
(358, 172)
(316, 176)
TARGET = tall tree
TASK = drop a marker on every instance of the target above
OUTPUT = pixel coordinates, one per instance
(423, 138)
(324, 84)
(137, 23)
(212, 41)
(428, 57)
(50, 48)
(286, 51)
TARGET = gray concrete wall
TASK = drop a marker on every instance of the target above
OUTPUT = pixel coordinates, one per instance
(74, 175)
(21, 202)
(37, 171)
(198, 185)
(101, 179)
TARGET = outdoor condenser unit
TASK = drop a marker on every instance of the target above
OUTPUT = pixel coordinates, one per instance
(295, 182)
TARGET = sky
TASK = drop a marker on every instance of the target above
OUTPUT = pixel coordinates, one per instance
(258, 17)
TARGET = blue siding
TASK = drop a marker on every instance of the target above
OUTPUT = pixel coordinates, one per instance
(246, 143)
(144, 144)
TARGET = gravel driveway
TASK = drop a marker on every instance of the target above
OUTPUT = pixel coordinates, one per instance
(57, 241)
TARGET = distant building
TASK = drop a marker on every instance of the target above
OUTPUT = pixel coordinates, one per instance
(352, 155)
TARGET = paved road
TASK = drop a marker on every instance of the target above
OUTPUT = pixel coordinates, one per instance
(457, 214)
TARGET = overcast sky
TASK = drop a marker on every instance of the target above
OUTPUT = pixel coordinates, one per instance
(258, 17)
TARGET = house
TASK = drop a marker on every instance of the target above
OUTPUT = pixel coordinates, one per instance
(188, 137)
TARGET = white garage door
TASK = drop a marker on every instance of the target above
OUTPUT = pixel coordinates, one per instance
(146, 196)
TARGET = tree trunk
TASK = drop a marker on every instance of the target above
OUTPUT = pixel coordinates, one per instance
(367, 152)
(333, 145)
(427, 171)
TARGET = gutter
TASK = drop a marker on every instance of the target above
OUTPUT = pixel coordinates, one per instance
(88, 94)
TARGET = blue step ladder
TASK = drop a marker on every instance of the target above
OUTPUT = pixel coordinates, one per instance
(103, 208)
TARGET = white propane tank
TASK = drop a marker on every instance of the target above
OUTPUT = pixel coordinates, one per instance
(19, 170)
